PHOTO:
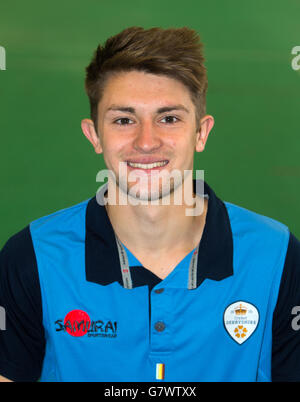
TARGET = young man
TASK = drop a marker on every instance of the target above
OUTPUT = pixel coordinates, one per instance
(145, 290)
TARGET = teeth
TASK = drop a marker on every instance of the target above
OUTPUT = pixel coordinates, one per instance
(147, 165)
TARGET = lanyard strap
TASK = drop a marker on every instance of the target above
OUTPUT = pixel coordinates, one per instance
(192, 283)
(125, 270)
(126, 275)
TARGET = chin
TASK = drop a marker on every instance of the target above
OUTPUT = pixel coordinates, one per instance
(149, 195)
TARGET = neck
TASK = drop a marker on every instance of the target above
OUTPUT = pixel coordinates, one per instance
(157, 229)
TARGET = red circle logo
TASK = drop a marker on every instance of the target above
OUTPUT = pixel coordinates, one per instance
(77, 323)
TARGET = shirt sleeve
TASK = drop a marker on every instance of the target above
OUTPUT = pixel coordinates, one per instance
(22, 341)
(286, 325)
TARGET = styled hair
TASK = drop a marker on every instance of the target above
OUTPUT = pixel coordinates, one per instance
(175, 52)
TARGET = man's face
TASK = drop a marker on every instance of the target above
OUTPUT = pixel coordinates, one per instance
(147, 122)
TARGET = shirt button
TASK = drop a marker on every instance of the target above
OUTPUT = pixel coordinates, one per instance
(159, 326)
(158, 291)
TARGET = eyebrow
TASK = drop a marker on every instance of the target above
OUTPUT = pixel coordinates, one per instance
(131, 110)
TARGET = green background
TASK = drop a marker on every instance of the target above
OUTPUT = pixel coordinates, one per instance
(252, 155)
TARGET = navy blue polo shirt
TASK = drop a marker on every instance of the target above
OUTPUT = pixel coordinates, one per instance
(69, 317)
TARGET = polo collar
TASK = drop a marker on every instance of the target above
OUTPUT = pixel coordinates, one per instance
(215, 255)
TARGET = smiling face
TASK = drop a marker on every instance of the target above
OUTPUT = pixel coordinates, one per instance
(148, 122)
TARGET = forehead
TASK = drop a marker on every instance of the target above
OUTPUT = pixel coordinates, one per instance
(140, 89)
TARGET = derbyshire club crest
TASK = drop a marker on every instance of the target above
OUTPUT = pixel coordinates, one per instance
(241, 320)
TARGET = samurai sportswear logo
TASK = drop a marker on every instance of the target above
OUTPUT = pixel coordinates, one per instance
(78, 323)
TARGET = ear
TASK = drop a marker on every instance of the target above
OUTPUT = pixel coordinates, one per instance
(206, 124)
(88, 129)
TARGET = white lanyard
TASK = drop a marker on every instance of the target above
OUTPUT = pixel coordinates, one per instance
(126, 275)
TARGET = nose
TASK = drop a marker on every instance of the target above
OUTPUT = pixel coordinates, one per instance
(147, 138)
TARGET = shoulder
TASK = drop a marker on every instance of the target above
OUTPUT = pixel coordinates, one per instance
(289, 293)
(19, 279)
(247, 219)
(22, 342)
(262, 231)
(17, 257)
(285, 330)
(62, 215)
(260, 239)
(63, 221)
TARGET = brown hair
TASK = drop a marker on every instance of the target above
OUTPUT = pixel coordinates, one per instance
(174, 52)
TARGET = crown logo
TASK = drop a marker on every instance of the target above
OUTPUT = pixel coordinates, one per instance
(240, 310)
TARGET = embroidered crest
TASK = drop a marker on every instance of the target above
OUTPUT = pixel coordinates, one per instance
(241, 320)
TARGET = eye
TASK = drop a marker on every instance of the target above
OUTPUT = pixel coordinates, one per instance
(123, 121)
(170, 119)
